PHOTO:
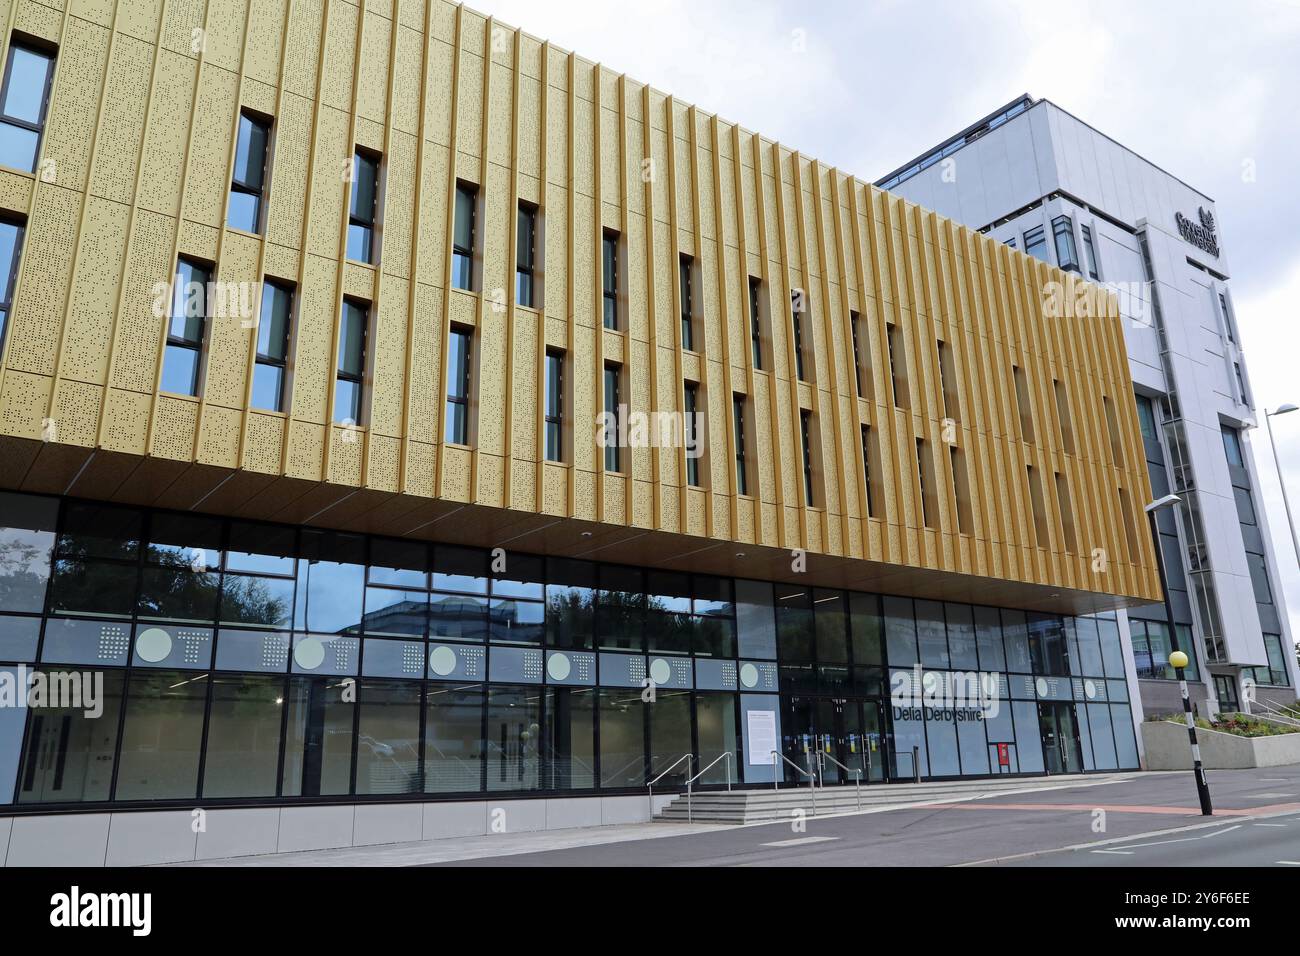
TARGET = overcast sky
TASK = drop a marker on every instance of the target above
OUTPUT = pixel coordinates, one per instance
(1204, 90)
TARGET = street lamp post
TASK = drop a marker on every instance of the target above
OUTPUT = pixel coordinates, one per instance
(1177, 659)
(1286, 502)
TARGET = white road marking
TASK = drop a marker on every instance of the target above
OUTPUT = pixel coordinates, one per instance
(1116, 852)
(800, 841)
(1268, 824)
(1287, 863)
(1138, 846)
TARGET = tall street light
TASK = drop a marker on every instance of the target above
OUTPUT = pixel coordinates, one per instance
(1178, 659)
(1282, 410)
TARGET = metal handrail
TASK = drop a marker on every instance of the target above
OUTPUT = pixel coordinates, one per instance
(727, 756)
(812, 781)
(650, 787)
(822, 755)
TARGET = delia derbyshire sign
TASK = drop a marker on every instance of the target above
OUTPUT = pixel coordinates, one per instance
(1199, 233)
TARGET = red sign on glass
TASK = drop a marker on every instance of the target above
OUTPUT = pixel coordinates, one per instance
(1004, 755)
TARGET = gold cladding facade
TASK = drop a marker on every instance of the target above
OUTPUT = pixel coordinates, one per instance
(137, 161)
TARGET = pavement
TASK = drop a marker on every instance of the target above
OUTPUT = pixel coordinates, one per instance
(1151, 819)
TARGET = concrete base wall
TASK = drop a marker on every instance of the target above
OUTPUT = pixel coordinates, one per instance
(174, 836)
(1167, 748)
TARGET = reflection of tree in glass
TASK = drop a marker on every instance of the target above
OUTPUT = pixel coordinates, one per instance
(249, 601)
(23, 568)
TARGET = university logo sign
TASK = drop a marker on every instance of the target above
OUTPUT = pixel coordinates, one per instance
(1199, 233)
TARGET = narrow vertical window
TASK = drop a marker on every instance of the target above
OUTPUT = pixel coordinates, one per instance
(1023, 408)
(1242, 394)
(805, 432)
(796, 322)
(613, 417)
(361, 213)
(1112, 430)
(1227, 318)
(961, 490)
(692, 433)
(525, 256)
(24, 102)
(1063, 232)
(186, 328)
(898, 366)
(1063, 415)
(11, 250)
(462, 240)
(1067, 512)
(948, 382)
(1036, 244)
(685, 268)
(755, 322)
(554, 405)
(1089, 252)
(1128, 519)
(854, 331)
(458, 366)
(738, 415)
(925, 481)
(248, 183)
(1038, 505)
(349, 384)
(868, 470)
(609, 267)
(273, 322)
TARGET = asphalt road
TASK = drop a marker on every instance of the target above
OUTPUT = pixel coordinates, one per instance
(1027, 829)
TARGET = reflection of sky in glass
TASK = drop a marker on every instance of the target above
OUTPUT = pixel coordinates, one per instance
(329, 596)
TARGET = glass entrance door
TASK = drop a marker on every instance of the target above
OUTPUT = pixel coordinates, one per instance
(849, 731)
(798, 736)
(1060, 738)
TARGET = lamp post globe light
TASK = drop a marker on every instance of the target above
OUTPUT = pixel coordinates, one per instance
(1177, 659)
(1286, 502)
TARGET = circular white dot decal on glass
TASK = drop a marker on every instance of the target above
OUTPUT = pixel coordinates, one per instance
(1041, 685)
(309, 653)
(749, 675)
(442, 660)
(558, 666)
(153, 645)
(1089, 689)
(660, 672)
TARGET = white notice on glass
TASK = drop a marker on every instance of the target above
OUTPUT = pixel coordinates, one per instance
(762, 736)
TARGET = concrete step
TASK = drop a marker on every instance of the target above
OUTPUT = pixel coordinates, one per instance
(758, 804)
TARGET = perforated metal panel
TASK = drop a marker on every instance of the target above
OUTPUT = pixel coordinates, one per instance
(140, 147)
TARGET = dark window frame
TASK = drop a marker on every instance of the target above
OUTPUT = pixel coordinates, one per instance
(613, 396)
(49, 51)
(755, 322)
(460, 251)
(797, 327)
(243, 188)
(262, 358)
(11, 281)
(690, 431)
(609, 247)
(738, 414)
(356, 378)
(1067, 259)
(360, 153)
(526, 272)
(686, 290)
(181, 342)
(463, 375)
(554, 414)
